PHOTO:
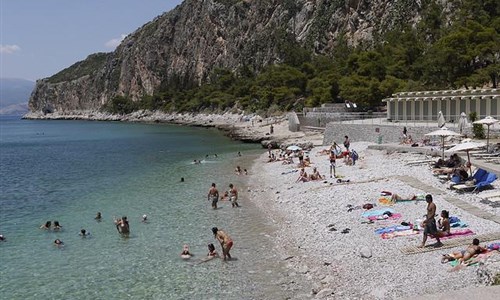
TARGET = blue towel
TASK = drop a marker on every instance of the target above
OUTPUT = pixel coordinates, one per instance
(379, 212)
(392, 229)
(454, 220)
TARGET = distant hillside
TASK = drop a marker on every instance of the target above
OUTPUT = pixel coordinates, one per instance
(14, 95)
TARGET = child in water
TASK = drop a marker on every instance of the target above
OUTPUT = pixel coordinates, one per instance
(185, 254)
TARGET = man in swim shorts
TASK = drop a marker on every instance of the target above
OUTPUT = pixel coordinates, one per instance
(225, 242)
(233, 195)
(213, 195)
(430, 222)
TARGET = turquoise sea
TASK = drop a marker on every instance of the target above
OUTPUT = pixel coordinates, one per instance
(69, 170)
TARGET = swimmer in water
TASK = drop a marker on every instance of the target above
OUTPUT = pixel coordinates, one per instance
(122, 226)
(185, 254)
(46, 226)
(144, 218)
(58, 243)
(98, 217)
(84, 233)
(57, 226)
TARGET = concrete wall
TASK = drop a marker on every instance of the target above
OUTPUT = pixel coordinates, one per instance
(367, 133)
(293, 122)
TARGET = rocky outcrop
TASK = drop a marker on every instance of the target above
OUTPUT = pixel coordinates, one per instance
(185, 45)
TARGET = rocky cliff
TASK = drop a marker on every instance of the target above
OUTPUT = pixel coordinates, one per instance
(184, 45)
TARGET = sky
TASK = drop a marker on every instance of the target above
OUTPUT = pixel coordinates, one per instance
(39, 38)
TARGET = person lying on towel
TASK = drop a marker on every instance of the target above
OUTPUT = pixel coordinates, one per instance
(464, 255)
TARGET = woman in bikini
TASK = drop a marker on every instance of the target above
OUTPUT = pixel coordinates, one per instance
(466, 254)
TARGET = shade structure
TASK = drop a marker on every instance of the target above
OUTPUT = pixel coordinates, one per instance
(466, 147)
(440, 119)
(462, 122)
(293, 148)
(443, 132)
(488, 121)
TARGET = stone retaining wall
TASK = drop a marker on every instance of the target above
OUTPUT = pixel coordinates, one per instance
(368, 133)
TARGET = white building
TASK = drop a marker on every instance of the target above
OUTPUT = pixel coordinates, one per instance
(425, 105)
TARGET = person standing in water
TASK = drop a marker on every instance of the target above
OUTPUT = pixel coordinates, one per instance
(213, 195)
(225, 242)
(233, 195)
(122, 226)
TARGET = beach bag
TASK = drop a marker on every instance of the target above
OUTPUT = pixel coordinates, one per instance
(368, 206)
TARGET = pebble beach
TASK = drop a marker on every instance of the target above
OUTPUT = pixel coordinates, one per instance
(312, 216)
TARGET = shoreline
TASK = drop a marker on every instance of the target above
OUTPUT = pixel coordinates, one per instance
(236, 126)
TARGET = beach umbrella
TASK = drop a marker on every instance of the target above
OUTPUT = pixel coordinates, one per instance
(462, 122)
(488, 121)
(443, 132)
(467, 146)
(293, 148)
(440, 120)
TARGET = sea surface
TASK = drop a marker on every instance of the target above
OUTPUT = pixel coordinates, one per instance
(69, 170)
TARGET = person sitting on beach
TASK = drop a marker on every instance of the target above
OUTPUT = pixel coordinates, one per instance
(98, 217)
(58, 243)
(315, 175)
(302, 176)
(57, 226)
(444, 227)
(307, 161)
(46, 226)
(464, 255)
(122, 225)
(245, 171)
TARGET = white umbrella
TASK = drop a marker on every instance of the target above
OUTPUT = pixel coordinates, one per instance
(467, 146)
(440, 120)
(293, 148)
(462, 122)
(443, 132)
(488, 121)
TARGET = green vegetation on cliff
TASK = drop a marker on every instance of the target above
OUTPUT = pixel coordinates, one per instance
(80, 69)
(463, 52)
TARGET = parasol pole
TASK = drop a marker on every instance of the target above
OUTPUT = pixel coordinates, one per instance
(442, 145)
(470, 166)
(488, 139)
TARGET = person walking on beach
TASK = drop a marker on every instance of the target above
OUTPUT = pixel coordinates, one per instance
(213, 195)
(333, 158)
(271, 129)
(225, 242)
(430, 222)
(233, 195)
(347, 143)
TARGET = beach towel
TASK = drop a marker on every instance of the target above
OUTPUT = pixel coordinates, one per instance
(394, 234)
(385, 201)
(385, 217)
(454, 220)
(458, 233)
(392, 229)
(494, 246)
(379, 212)
(458, 224)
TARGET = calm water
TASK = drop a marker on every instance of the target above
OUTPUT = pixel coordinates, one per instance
(69, 170)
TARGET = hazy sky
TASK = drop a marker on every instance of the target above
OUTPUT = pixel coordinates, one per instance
(38, 38)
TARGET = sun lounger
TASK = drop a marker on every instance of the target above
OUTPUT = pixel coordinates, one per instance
(482, 179)
(419, 162)
(489, 195)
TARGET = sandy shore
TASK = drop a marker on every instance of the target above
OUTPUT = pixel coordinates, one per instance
(330, 261)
